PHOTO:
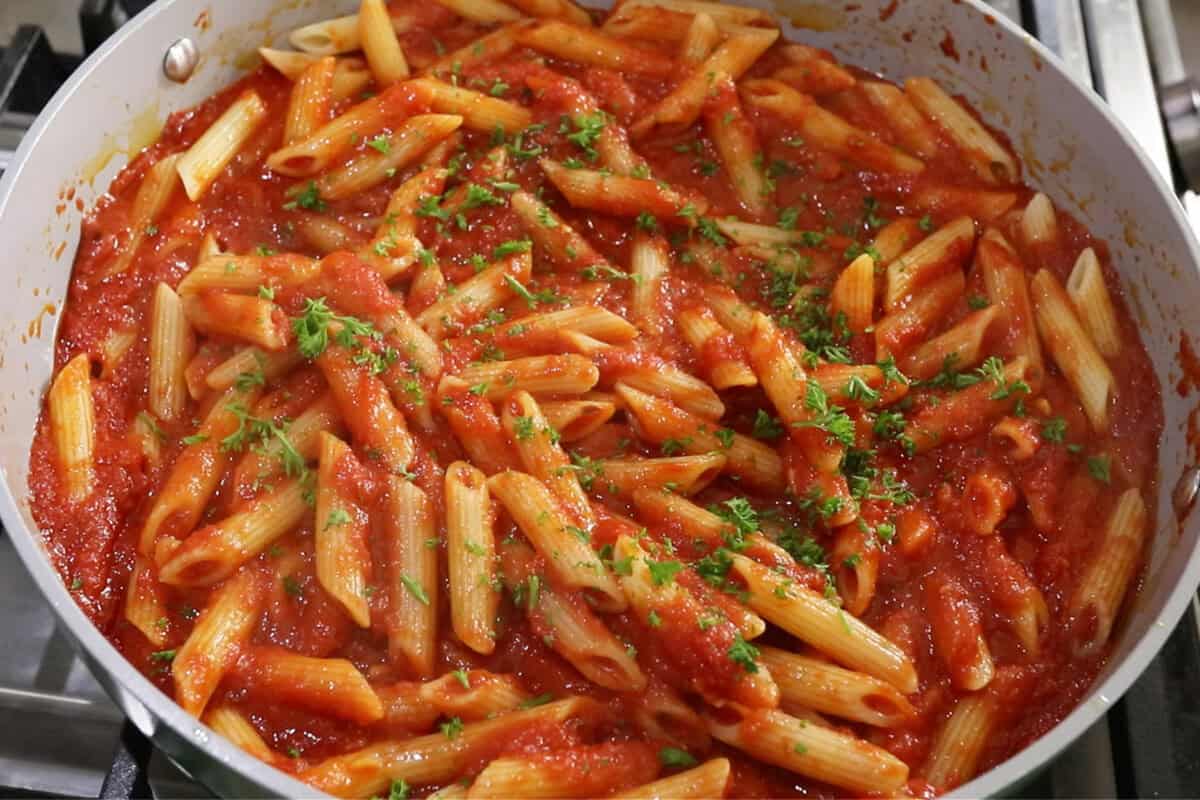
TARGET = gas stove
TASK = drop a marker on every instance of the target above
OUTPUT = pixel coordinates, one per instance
(61, 736)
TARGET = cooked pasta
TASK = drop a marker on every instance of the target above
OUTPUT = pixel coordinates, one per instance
(523, 400)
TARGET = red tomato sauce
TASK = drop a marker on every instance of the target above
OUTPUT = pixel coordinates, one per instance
(1048, 533)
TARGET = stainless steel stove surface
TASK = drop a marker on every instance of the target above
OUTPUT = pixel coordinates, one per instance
(61, 736)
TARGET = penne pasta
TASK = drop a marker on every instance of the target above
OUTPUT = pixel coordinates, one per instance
(340, 534)
(825, 129)
(220, 635)
(990, 161)
(413, 575)
(1089, 294)
(1105, 581)
(470, 553)
(211, 153)
(379, 43)
(1071, 348)
(538, 375)
(73, 427)
(557, 536)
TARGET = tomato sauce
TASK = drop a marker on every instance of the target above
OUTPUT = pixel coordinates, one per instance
(1048, 528)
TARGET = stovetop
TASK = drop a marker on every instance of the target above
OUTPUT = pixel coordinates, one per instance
(61, 736)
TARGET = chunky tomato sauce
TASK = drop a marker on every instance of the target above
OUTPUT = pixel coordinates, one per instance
(922, 528)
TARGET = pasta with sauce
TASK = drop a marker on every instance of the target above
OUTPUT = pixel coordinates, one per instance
(545, 403)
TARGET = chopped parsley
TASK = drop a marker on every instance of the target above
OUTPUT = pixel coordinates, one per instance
(309, 198)
(674, 757)
(415, 589)
(766, 427)
(1099, 467)
(744, 654)
(829, 418)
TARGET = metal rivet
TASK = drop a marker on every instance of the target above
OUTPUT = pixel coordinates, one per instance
(1184, 496)
(180, 61)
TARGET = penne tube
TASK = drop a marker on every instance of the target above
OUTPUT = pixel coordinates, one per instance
(145, 604)
(785, 382)
(987, 158)
(575, 419)
(556, 239)
(660, 421)
(985, 205)
(670, 383)
(483, 49)
(1089, 294)
(266, 462)
(309, 104)
(564, 544)
(811, 683)
(649, 265)
(916, 134)
(705, 781)
(897, 237)
(812, 71)
(586, 45)
(221, 633)
(479, 112)
(898, 331)
(542, 331)
(1008, 290)
(340, 533)
(721, 12)
(394, 247)
(216, 147)
(469, 694)
(554, 9)
(826, 754)
(330, 686)
(722, 359)
(171, 347)
(196, 472)
(338, 35)
(470, 554)
(436, 758)
(398, 149)
(1072, 349)
(826, 130)
(541, 455)
(682, 106)
(965, 413)
(568, 625)
(538, 375)
(620, 195)
(413, 576)
(957, 633)
(596, 769)
(853, 294)
(858, 384)
(854, 562)
(1039, 226)
(151, 200)
(940, 253)
(114, 348)
(731, 312)
(316, 153)
(245, 274)
(703, 36)
(475, 424)
(960, 741)
(733, 135)
(962, 345)
(482, 11)
(701, 658)
(233, 725)
(663, 714)
(326, 235)
(684, 475)
(813, 619)
(254, 320)
(474, 297)
(379, 43)
(1109, 573)
(215, 551)
(364, 404)
(73, 427)
(751, 234)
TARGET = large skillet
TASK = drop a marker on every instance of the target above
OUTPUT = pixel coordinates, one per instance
(1071, 146)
